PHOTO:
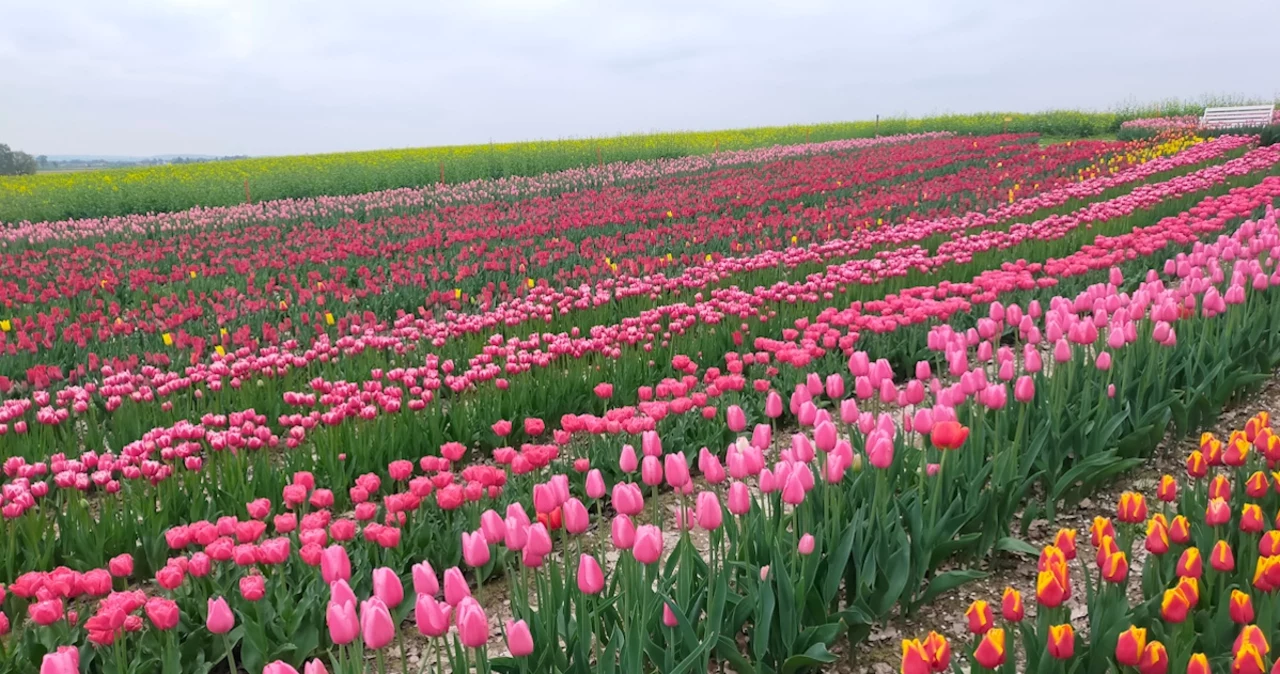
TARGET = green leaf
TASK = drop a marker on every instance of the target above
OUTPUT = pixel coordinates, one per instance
(1017, 546)
(816, 656)
(950, 580)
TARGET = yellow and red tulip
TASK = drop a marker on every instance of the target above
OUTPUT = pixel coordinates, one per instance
(1065, 540)
(1197, 465)
(1100, 528)
(1251, 518)
(1220, 487)
(1241, 608)
(1180, 530)
(1168, 489)
(1116, 568)
(1222, 558)
(1155, 659)
(981, 618)
(1174, 606)
(1132, 508)
(1157, 542)
(990, 652)
(938, 650)
(1130, 645)
(1257, 485)
(1061, 641)
(1198, 664)
(1190, 564)
(1011, 607)
(1217, 513)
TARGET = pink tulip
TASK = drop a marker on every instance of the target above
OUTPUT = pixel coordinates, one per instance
(793, 489)
(493, 527)
(519, 640)
(334, 564)
(343, 626)
(806, 544)
(736, 418)
(424, 579)
(595, 484)
(648, 544)
(473, 625)
(880, 452)
(676, 468)
(576, 519)
(739, 498)
(849, 412)
(455, 586)
(517, 533)
(376, 627)
(773, 405)
(835, 386)
(650, 444)
(387, 586)
(277, 667)
(314, 666)
(431, 616)
(669, 616)
(61, 662)
(220, 619)
(590, 575)
(762, 436)
(708, 511)
(340, 592)
(623, 532)
(475, 549)
(1024, 390)
(834, 468)
(651, 471)
(628, 461)
(539, 543)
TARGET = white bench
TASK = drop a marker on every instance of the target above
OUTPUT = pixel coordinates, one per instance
(1241, 115)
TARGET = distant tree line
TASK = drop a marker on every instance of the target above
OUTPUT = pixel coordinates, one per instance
(16, 163)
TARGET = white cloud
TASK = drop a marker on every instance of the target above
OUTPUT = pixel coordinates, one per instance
(285, 76)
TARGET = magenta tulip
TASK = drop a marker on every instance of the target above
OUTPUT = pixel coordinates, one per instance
(590, 575)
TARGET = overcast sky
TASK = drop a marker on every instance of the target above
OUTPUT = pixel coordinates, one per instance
(141, 77)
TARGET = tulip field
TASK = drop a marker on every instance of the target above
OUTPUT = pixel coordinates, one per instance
(727, 412)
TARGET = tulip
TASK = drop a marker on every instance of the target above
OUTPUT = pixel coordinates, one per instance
(938, 651)
(1198, 664)
(1115, 569)
(60, 662)
(455, 586)
(1180, 530)
(1100, 528)
(1157, 542)
(220, 619)
(948, 435)
(990, 652)
(590, 575)
(1011, 607)
(648, 544)
(627, 460)
(1222, 558)
(739, 498)
(1062, 641)
(1155, 659)
(335, 565)
(1168, 489)
(773, 405)
(623, 532)
(376, 627)
(475, 551)
(519, 640)
(914, 658)
(1174, 606)
(595, 485)
(1065, 540)
(279, 667)
(314, 666)
(676, 468)
(341, 619)
(1190, 564)
(980, 616)
(1130, 646)
(1241, 608)
(121, 566)
(708, 511)
(1132, 508)
(473, 625)
(651, 471)
(424, 579)
(736, 419)
(431, 616)
(387, 587)
(806, 544)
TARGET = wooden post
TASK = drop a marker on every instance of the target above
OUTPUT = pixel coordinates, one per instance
(247, 200)
(441, 173)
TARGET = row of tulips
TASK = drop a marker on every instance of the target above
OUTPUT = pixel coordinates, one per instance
(248, 431)
(182, 291)
(1201, 600)
(112, 394)
(908, 514)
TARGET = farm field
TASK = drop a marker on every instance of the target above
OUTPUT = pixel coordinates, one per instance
(726, 410)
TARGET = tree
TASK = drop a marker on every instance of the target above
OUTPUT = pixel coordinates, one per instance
(42, 161)
(15, 163)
